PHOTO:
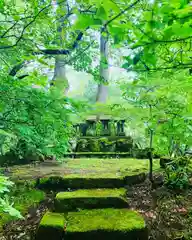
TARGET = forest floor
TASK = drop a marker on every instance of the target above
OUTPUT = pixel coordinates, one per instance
(168, 214)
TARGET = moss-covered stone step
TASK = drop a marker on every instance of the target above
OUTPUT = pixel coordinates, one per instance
(104, 224)
(59, 183)
(90, 199)
(52, 227)
(112, 224)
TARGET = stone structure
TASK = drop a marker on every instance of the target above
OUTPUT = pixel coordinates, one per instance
(108, 127)
(106, 135)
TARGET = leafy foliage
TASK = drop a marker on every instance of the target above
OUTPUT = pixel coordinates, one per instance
(5, 205)
(169, 100)
(38, 119)
(177, 173)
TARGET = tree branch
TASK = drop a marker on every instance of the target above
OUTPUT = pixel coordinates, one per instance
(119, 14)
(61, 51)
(176, 67)
(3, 35)
(156, 41)
(25, 27)
(52, 52)
(16, 68)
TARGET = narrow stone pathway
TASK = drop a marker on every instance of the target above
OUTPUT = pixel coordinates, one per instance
(97, 208)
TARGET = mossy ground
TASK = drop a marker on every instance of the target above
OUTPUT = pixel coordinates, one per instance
(111, 166)
(91, 199)
(70, 168)
(83, 167)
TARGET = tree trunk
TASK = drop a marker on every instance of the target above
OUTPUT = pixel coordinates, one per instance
(59, 79)
(150, 156)
(104, 70)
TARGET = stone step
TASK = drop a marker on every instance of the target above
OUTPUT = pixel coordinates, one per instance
(88, 181)
(113, 224)
(90, 199)
(52, 227)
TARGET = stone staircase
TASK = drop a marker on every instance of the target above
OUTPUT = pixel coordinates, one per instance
(94, 213)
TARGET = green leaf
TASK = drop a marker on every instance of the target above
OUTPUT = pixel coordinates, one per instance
(101, 13)
(85, 21)
(126, 65)
(190, 127)
(150, 58)
(4, 133)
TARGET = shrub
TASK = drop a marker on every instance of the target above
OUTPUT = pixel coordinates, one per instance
(124, 145)
(106, 145)
(177, 173)
(82, 146)
(5, 206)
(93, 145)
(98, 128)
(38, 119)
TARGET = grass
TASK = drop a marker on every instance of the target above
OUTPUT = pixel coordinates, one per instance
(104, 219)
(22, 198)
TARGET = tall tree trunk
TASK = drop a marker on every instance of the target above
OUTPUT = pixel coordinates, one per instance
(59, 79)
(150, 156)
(104, 70)
(150, 153)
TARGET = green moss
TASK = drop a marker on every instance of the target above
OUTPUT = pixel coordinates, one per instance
(27, 199)
(106, 219)
(85, 166)
(93, 224)
(90, 199)
(100, 154)
(108, 178)
(82, 146)
(93, 145)
(51, 227)
(107, 145)
(134, 179)
(81, 182)
(124, 145)
(92, 193)
(53, 219)
(104, 175)
(106, 224)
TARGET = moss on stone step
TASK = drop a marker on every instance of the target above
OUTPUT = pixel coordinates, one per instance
(112, 224)
(103, 224)
(51, 227)
(92, 198)
(59, 183)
